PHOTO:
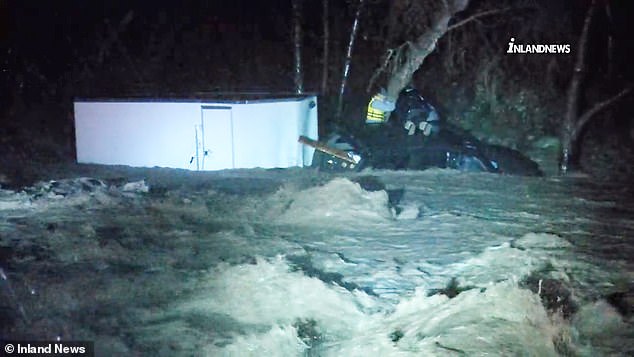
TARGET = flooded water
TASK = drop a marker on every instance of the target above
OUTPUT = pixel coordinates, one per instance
(297, 263)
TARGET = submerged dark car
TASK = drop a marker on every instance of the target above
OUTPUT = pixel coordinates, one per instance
(409, 134)
(450, 148)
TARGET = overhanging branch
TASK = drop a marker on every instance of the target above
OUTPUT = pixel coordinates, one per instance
(476, 16)
(588, 115)
(416, 51)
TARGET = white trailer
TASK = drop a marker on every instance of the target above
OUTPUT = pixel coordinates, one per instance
(196, 134)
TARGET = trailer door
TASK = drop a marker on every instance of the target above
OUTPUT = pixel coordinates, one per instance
(217, 140)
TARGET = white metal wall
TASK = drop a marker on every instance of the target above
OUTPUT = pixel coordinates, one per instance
(265, 134)
(179, 134)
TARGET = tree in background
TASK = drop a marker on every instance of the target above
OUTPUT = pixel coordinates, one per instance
(297, 42)
(574, 120)
(408, 58)
(348, 59)
(517, 98)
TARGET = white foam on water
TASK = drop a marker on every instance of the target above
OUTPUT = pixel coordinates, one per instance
(500, 318)
(268, 299)
(332, 271)
(398, 261)
(513, 261)
(268, 292)
(409, 211)
(541, 241)
(278, 341)
(338, 201)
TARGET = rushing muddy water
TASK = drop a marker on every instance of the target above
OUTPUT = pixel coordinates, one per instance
(297, 263)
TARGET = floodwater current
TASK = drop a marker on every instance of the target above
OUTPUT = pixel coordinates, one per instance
(379, 263)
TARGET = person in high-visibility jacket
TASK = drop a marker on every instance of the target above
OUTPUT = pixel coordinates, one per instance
(397, 130)
(413, 112)
(379, 109)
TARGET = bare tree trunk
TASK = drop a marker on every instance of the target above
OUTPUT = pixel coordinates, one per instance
(402, 62)
(568, 154)
(324, 68)
(416, 52)
(346, 67)
(574, 122)
(297, 41)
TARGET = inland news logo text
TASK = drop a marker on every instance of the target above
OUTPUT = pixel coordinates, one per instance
(522, 48)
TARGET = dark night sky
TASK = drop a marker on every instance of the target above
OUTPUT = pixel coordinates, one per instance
(55, 35)
(55, 29)
(58, 29)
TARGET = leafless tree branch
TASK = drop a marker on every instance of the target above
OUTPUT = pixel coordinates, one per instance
(416, 51)
(393, 57)
(585, 118)
(476, 16)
